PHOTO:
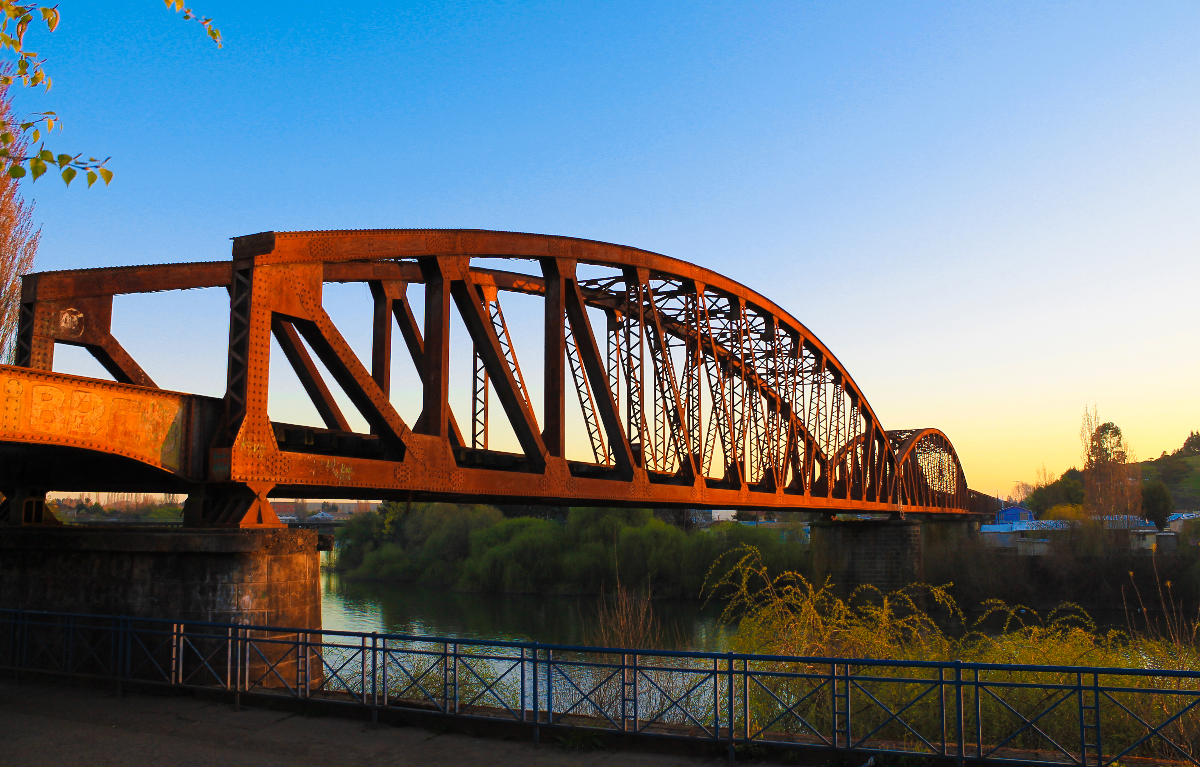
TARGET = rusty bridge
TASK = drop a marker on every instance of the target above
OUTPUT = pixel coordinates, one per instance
(682, 387)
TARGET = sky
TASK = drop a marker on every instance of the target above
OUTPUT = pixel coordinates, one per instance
(986, 211)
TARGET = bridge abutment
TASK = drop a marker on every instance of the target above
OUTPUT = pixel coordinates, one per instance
(265, 577)
(262, 577)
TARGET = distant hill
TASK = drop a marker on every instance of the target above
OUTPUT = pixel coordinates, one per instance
(1181, 475)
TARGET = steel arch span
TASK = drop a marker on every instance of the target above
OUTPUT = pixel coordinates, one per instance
(683, 387)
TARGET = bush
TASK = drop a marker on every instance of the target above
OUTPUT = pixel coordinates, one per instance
(521, 555)
(474, 548)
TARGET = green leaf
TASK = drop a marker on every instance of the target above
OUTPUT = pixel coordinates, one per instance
(105, 174)
(6, 138)
(68, 175)
(91, 177)
(16, 171)
(46, 155)
(37, 167)
(64, 160)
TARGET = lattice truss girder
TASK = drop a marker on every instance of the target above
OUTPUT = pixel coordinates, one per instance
(678, 373)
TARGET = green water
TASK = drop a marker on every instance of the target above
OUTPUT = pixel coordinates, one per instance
(407, 609)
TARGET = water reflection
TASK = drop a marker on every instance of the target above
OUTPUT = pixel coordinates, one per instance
(412, 609)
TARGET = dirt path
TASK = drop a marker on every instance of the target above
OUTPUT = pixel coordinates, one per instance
(46, 722)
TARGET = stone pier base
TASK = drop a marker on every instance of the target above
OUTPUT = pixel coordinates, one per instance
(245, 577)
(886, 554)
(265, 577)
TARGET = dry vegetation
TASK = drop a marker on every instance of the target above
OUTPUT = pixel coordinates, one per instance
(787, 614)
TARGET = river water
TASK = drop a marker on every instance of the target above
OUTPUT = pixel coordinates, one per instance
(410, 609)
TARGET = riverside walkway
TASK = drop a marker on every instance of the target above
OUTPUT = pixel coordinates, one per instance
(53, 722)
(816, 708)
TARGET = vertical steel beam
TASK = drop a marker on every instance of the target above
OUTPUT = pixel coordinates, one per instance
(410, 331)
(435, 391)
(35, 344)
(383, 295)
(239, 347)
(554, 402)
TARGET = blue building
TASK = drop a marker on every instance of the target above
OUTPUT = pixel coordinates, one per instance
(1014, 514)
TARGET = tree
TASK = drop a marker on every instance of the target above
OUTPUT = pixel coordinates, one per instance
(29, 71)
(1111, 484)
(1156, 502)
(1067, 489)
(1172, 470)
(1191, 445)
(18, 243)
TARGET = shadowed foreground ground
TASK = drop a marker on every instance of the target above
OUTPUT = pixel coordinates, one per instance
(47, 722)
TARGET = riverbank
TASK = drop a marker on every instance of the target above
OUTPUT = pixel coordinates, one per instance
(52, 722)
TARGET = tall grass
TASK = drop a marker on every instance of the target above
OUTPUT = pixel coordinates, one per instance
(786, 614)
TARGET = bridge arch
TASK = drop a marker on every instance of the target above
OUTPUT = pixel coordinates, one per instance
(929, 472)
(694, 389)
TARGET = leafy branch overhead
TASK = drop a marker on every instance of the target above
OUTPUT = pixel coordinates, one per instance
(29, 71)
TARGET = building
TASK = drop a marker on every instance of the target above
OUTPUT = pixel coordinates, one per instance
(1014, 514)
(1023, 536)
(1179, 520)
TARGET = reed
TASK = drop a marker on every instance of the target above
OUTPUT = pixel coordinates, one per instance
(786, 614)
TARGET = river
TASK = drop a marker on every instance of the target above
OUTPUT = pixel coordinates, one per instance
(408, 609)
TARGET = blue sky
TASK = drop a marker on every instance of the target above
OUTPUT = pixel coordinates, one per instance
(987, 211)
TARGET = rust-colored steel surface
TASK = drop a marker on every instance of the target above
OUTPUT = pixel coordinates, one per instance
(692, 390)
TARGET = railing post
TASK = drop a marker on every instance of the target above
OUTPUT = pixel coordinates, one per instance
(1096, 705)
(229, 657)
(549, 686)
(634, 685)
(374, 677)
(624, 692)
(537, 718)
(362, 669)
(716, 694)
(176, 650)
(978, 717)
(446, 695)
(298, 645)
(243, 666)
(1079, 708)
(306, 646)
(941, 683)
(958, 710)
(732, 719)
(384, 673)
(746, 701)
(454, 678)
(521, 699)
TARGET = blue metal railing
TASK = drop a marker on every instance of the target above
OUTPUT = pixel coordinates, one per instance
(956, 711)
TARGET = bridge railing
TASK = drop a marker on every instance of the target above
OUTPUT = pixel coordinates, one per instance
(947, 711)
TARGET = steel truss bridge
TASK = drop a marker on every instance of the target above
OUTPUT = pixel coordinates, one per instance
(692, 390)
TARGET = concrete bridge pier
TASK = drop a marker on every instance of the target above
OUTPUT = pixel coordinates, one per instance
(889, 553)
(264, 577)
(885, 553)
